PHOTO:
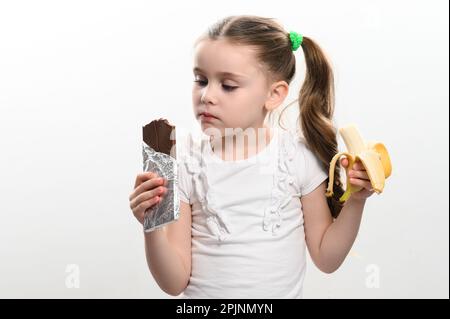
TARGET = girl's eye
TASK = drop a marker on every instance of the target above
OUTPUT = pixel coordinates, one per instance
(227, 88)
(201, 82)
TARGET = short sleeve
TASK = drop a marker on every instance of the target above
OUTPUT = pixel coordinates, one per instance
(184, 183)
(312, 174)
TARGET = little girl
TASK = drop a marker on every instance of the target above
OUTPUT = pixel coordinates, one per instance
(248, 210)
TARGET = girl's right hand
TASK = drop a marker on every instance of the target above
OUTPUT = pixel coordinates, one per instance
(148, 191)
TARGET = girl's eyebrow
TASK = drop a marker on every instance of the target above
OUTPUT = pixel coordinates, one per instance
(225, 74)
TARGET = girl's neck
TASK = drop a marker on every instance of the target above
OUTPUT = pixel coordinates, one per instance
(242, 144)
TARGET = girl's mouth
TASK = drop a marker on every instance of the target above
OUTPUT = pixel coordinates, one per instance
(207, 116)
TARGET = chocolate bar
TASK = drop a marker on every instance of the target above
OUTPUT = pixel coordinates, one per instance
(159, 154)
(160, 136)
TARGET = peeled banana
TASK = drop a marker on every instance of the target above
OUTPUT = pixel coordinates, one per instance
(373, 155)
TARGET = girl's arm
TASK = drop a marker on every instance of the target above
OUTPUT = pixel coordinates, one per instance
(330, 241)
(168, 252)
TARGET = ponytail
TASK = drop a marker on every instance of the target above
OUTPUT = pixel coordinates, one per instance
(316, 102)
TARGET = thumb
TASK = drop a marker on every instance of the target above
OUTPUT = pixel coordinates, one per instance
(344, 162)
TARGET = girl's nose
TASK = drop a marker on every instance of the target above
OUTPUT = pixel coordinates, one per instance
(208, 96)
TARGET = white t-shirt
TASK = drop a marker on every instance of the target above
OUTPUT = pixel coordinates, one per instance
(248, 238)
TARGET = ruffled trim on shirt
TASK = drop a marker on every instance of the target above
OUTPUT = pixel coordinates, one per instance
(216, 222)
(283, 176)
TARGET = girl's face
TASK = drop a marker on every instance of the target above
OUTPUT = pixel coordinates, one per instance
(229, 85)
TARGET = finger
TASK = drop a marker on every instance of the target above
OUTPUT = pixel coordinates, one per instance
(361, 182)
(142, 177)
(143, 206)
(146, 185)
(358, 174)
(145, 196)
(358, 166)
(344, 162)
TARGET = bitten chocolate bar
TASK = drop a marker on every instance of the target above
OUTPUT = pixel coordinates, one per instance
(159, 153)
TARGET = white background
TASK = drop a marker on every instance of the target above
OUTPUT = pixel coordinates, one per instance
(79, 79)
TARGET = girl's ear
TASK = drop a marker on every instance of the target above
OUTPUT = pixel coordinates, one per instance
(277, 93)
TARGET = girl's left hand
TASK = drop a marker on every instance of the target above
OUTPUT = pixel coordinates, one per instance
(358, 177)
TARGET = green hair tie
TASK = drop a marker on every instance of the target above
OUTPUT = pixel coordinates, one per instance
(296, 40)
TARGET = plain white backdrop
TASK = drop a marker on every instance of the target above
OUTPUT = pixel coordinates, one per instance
(79, 79)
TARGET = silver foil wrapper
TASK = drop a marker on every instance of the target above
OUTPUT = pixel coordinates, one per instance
(167, 210)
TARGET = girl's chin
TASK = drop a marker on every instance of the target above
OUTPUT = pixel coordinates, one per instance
(211, 130)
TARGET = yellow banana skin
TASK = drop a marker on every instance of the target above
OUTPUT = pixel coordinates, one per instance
(373, 155)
